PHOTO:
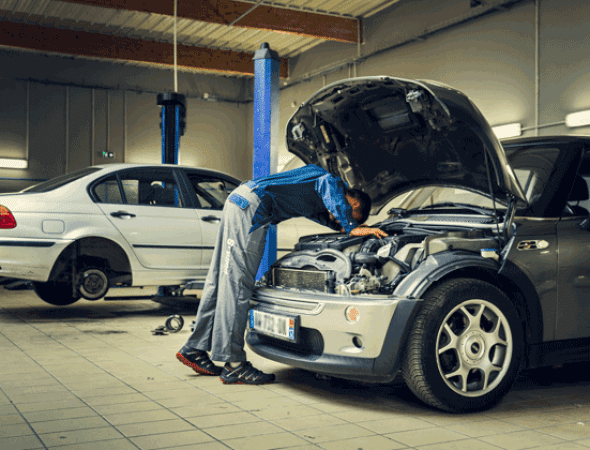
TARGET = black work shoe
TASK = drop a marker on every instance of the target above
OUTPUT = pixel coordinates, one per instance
(245, 374)
(198, 361)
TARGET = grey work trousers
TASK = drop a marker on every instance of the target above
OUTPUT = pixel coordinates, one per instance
(223, 309)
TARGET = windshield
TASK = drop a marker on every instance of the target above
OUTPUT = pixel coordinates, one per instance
(60, 181)
(430, 196)
(532, 168)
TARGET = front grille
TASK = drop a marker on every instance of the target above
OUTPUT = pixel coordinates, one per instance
(300, 279)
(311, 343)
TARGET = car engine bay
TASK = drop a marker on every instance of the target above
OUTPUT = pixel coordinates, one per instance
(350, 265)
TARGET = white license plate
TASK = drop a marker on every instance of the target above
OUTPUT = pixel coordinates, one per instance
(275, 325)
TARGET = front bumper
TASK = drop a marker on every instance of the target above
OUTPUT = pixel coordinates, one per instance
(369, 349)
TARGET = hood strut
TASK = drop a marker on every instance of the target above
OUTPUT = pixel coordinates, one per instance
(489, 173)
(510, 210)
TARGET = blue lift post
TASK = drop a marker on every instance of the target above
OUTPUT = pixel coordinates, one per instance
(172, 124)
(266, 127)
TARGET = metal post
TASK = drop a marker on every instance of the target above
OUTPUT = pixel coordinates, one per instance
(266, 127)
(172, 125)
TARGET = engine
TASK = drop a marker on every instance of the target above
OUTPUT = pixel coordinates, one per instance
(348, 265)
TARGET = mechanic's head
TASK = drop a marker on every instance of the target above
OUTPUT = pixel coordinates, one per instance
(360, 203)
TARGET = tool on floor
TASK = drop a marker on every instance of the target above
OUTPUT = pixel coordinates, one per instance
(160, 331)
(174, 323)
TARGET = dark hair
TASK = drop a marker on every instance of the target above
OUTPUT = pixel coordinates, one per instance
(365, 203)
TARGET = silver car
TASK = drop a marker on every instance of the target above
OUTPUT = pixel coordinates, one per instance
(485, 268)
(113, 225)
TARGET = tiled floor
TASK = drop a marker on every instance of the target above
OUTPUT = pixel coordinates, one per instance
(93, 376)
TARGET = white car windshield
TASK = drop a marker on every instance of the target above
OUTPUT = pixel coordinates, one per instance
(60, 181)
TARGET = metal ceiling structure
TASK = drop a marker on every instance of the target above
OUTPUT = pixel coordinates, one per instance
(213, 36)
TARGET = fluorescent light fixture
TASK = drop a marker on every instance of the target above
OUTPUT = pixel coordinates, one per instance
(578, 119)
(508, 130)
(13, 163)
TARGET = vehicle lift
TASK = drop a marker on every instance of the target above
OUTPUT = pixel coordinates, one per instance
(266, 125)
(172, 126)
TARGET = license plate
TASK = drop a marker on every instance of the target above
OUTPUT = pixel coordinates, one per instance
(275, 325)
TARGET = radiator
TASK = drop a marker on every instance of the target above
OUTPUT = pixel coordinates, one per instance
(300, 279)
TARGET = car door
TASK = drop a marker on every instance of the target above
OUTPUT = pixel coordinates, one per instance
(209, 193)
(149, 209)
(573, 233)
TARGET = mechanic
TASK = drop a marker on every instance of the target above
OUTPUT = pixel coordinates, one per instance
(309, 191)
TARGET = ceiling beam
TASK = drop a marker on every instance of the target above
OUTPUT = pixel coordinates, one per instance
(225, 12)
(82, 43)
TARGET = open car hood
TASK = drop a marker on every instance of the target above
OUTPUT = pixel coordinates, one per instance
(387, 135)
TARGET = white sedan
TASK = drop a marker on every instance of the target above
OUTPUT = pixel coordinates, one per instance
(115, 225)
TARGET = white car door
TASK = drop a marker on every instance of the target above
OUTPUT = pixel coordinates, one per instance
(152, 217)
(210, 193)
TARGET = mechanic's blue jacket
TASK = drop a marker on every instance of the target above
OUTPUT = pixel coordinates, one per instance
(309, 191)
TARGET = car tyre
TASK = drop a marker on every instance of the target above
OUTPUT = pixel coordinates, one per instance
(464, 348)
(56, 293)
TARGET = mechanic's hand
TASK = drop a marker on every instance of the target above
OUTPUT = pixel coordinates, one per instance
(365, 231)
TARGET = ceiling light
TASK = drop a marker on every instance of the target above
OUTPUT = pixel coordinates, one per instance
(13, 163)
(578, 119)
(508, 130)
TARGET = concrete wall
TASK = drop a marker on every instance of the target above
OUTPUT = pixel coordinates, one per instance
(60, 129)
(63, 112)
(214, 137)
(119, 75)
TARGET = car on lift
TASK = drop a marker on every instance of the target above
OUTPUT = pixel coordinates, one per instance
(119, 225)
(485, 270)
(112, 225)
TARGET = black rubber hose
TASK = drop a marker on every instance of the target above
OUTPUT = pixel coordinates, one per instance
(402, 264)
(364, 258)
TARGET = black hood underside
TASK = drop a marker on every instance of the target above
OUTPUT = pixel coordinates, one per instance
(387, 135)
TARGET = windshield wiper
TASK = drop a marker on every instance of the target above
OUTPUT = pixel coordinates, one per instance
(480, 210)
